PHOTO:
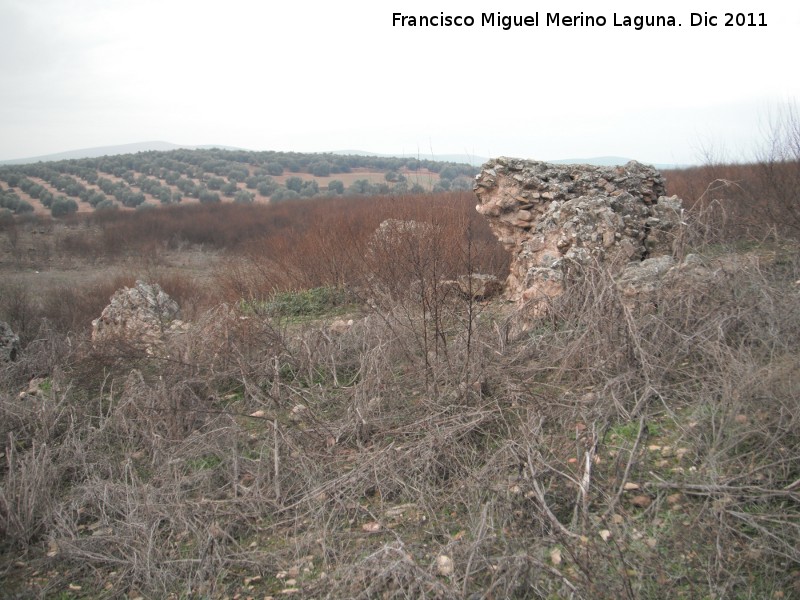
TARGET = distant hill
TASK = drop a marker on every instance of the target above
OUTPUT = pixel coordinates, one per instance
(111, 151)
(609, 161)
(469, 159)
(597, 161)
(477, 161)
(462, 159)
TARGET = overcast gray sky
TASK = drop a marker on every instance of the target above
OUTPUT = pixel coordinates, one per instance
(303, 75)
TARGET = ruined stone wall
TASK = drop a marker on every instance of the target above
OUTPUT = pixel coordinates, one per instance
(551, 216)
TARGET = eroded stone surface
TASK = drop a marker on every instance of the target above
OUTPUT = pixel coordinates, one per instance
(141, 316)
(642, 284)
(552, 216)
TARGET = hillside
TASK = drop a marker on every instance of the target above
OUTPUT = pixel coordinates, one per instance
(215, 175)
(154, 146)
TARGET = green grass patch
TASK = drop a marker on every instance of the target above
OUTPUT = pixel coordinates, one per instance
(628, 431)
(203, 463)
(297, 305)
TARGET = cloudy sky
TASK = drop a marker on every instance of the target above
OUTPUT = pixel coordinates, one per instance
(321, 75)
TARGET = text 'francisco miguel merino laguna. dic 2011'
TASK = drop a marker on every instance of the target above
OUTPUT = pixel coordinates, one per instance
(497, 19)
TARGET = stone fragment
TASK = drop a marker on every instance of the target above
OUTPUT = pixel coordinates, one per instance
(340, 326)
(642, 278)
(9, 343)
(141, 316)
(444, 565)
(555, 556)
(39, 387)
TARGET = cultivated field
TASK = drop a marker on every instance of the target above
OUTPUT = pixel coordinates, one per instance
(149, 179)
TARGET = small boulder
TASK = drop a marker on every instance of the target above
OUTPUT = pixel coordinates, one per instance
(142, 316)
(340, 326)
(444, 565)
(9, 343)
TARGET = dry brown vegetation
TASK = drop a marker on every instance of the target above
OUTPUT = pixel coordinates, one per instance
(752, 199)
(434, 449)
(748, 200)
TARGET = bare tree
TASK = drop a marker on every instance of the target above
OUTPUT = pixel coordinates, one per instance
(778, 168)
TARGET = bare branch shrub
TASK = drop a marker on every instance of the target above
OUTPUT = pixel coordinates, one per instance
(750, 200)
(612, 447)
(28, 493)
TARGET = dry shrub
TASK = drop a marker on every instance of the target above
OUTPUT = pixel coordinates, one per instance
(749, 200)
(129, 479)
(702, 359)
(49, 354)
(28, 494)
(86, 244)
(331, 243)
(194, 295)
(71, 308)
(60, 307)
(391, 572)
(38, 434)
(429, 427)
(18, 309)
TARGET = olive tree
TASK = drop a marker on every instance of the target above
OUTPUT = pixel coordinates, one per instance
(63, 206)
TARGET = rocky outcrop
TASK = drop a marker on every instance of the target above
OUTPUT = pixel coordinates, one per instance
(9, 343)
(141, 316)
(551, 217)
